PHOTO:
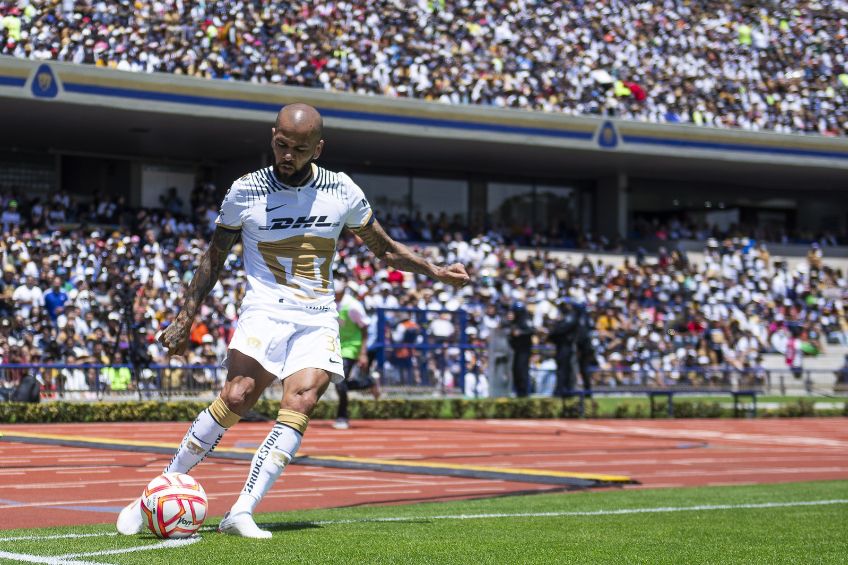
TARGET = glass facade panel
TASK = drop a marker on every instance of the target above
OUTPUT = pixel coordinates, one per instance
(388, 194)
(510, 207)
(556, 208)
(433, 197)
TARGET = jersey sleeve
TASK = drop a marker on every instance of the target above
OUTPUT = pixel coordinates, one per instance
(359, 211)
(357, 314)
(232, 208)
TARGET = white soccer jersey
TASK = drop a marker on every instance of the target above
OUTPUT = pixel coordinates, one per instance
(289, 238)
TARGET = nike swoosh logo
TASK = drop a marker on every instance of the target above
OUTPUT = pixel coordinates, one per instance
(335, 362)
(198, 439)
(267, 209)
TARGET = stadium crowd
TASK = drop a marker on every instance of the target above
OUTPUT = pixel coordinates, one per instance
(86, 295)
(780, 66)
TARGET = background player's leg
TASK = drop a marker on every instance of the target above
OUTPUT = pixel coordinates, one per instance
(246, 379)
(301, 392)
(342, 418)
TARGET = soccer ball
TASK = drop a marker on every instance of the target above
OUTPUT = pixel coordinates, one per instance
(174, 505)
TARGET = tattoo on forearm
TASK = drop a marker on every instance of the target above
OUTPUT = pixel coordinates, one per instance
(375, 237)
(396, 254)
(209, 269)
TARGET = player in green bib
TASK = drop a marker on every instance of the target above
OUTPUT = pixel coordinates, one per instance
(353, 332)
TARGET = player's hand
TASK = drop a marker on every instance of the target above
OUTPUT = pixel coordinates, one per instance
(454, 275)
(175, 336)
(362, 362)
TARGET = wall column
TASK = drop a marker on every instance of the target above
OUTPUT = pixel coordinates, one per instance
(611, 206)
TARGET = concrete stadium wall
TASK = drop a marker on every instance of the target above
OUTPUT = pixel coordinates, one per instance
(55, 82)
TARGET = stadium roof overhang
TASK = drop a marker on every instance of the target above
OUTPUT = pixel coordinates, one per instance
(73, 109)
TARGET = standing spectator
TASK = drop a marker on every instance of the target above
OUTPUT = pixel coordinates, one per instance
(795, 353)
(73, 379)
(521, 342)
(11, 218)
(7, 291)
(585, 349)
(27, 297)
(565, 334)
(405, 334)
(55, 299)
(842, 376)
(117, 378)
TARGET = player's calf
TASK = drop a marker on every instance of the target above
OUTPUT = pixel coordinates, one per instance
(274, 454)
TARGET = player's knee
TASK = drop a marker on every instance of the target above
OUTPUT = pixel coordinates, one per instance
(237, 394)
(302, 400)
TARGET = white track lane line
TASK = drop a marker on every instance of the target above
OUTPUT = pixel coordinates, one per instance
(697, 434)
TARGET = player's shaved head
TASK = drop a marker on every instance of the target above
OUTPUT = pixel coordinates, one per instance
(296, 139)
(300, 119)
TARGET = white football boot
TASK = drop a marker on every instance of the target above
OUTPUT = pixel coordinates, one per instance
(242, 524)
(131, 520)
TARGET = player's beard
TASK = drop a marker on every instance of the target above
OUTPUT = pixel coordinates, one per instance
(293, 178)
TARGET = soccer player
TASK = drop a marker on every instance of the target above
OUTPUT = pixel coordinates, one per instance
(289, 217)
(353, 333)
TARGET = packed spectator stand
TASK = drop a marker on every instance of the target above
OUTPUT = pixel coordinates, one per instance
(772, 66)
(94, 283)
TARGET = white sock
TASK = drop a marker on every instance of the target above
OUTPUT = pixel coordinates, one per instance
(202, 437)
(279, 447)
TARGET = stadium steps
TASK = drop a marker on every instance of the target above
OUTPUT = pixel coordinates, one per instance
(823, 367)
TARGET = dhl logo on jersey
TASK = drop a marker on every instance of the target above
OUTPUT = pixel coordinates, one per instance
(299, 222)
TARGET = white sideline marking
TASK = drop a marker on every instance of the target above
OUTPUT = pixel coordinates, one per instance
(26, 558)
(60, 536)
(166, 544)
(71, 558)
(621, 511)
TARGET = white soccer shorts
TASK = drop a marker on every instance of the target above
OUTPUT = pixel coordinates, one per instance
(284, 348)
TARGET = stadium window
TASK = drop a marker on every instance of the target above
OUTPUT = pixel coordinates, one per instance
(388, 194)
(510, 205)
(433, 197)
(35, 174)
(556, 208)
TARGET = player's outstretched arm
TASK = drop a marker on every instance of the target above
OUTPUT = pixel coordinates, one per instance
(403, 258)
(175, 336)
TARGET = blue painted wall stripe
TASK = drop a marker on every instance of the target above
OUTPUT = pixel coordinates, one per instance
(327, 112)
(12, 81)
(734, 147)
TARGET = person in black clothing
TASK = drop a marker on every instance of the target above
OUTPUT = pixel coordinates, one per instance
(28, 390)
(521, 341)
(842, 376)
(564, 334)
(585, 350)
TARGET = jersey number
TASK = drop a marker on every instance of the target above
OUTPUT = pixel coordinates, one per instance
(304, 256)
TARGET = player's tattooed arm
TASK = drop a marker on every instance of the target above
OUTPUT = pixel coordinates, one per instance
(403, 258)
(209, 269)
(175, 336)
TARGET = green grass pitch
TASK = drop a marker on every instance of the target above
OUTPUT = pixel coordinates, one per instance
(784, 523)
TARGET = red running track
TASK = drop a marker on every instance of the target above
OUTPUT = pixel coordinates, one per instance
(45, 485)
